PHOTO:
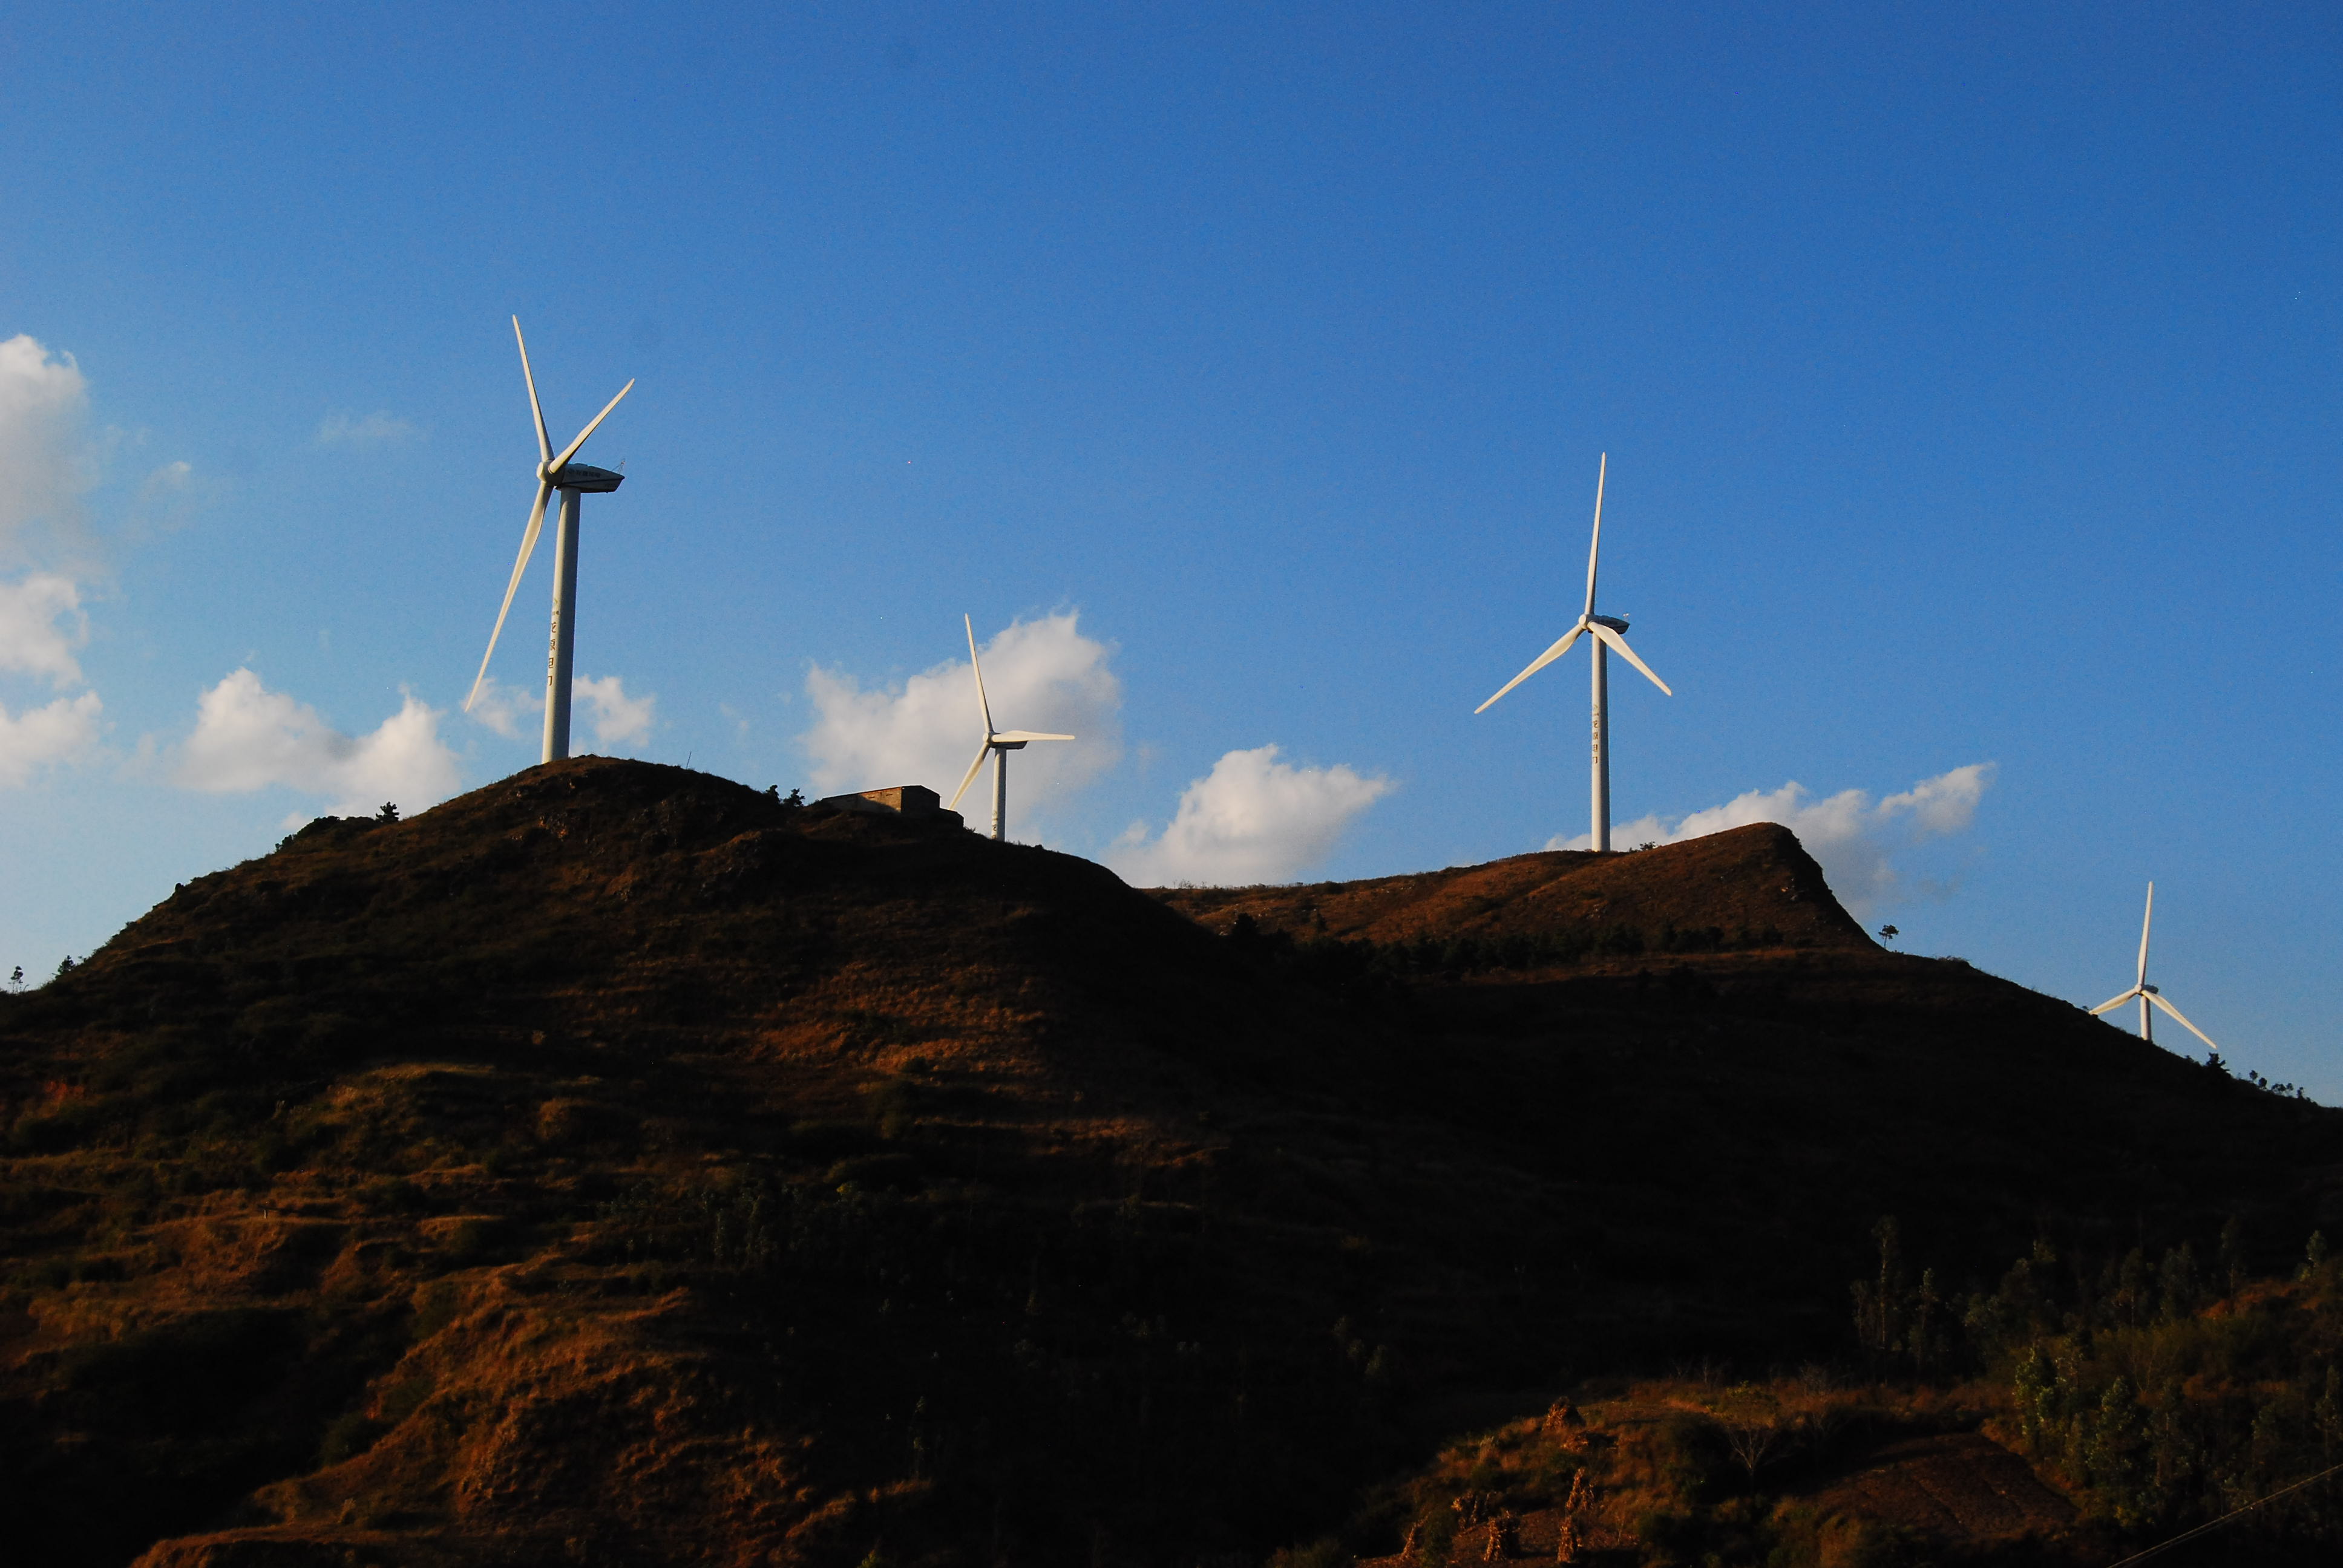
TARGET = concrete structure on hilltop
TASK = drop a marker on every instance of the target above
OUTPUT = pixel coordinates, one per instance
(901, 800)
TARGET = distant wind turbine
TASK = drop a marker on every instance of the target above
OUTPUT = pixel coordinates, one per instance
(573, 480)
(999, 742)
(2146, 993)
(1608, 632)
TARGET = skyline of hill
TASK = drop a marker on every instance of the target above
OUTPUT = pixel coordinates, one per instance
(616, 1159)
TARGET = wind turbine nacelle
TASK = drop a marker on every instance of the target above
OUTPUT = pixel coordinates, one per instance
(1008, 744)
(1613, 621)
(587, 479)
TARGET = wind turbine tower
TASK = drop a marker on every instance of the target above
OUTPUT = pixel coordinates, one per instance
(2145, 993)
(1000, 743)
(1609, 633)
(573, 480)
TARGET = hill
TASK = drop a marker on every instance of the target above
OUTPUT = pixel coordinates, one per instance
(1750, 886)
(617, 1164)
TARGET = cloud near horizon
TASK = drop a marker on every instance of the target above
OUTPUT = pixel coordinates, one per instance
(46, 464)
(1251, 820)
(1042, 675)
(1855, 841)
(248, 738)
(41, 626)
(617, 718)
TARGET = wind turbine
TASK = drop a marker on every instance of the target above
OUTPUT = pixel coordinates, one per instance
(999, 742)
(1608, 632)
(573, 480)
(2148, 993)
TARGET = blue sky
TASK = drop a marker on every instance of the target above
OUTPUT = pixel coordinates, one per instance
(1968, 373)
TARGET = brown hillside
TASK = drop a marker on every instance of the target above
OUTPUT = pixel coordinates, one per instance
(618, 1165)
(1752, 880)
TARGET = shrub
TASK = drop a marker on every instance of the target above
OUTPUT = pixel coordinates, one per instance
(1324, 1553)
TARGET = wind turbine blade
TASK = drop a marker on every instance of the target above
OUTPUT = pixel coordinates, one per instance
(2143, 921)
(527, 543)
(981, 753)
(571, 450)
(1548, 657)
(1602, 466)
(544, 444)
(1029, 735)
(2184, 1023)
(2111, 1006)
(981, 705)
(1618, 645)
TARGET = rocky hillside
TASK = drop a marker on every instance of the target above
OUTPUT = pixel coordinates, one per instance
(618, 1165)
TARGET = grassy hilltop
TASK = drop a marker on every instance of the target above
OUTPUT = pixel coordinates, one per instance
(618, 1165)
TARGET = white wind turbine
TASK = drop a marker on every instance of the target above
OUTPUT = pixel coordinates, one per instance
(1608, 632)
(573, 480)
(2148, 993)
(999, 742)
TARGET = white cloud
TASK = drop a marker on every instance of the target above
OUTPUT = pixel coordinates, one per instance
(166, 480)
(618, 719)
(1855, 841)
(1038, 675)
(379, 428)
(1251, 819)
(45, 464)
(41, 624)
(248, 737)
(502, 708)
(64, 730)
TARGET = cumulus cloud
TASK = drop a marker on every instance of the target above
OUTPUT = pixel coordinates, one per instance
(1855, 840)
(618, 719)
(505, 708)
(1252, 819)
(41, 624)
(378, 428)
(1039, 675)
(46, 461)
(603, 704)
(64, 730)
(249, 738)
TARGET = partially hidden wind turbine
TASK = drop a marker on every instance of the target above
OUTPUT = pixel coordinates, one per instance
(999, 742)
(2146, 993)
(1608, 632)
(573, 480)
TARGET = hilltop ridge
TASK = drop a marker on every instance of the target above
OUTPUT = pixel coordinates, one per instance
(1752, 886)
(618, 1161)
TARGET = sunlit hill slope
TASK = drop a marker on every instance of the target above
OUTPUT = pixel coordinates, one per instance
(619, 1165)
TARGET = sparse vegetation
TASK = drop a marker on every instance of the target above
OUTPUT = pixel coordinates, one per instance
(857, 1188)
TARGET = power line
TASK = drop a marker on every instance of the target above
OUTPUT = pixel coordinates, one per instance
(2186, 1535)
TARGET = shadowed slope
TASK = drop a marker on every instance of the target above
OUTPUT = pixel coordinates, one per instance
(616, 1161)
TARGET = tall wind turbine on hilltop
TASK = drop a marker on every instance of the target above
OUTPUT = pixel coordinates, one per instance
(1608, 632)
(999, 742)
(2146, 993)
(573, 480)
